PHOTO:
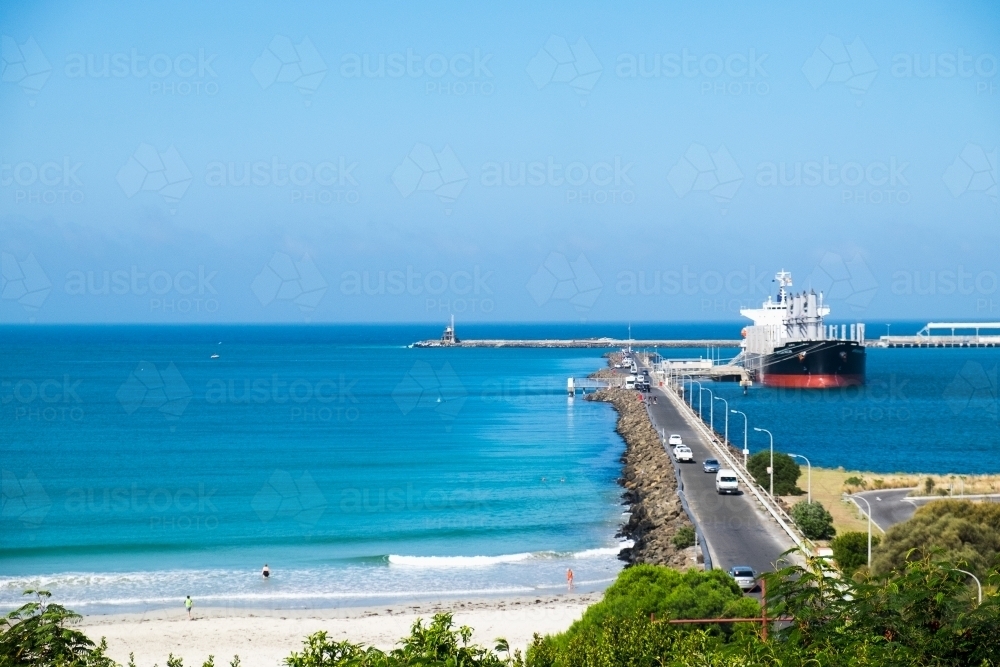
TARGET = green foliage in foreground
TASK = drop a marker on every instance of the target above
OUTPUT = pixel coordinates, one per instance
(923, 616)
(437, 644)
(642, 590)
(814, 520)
(786, 472)
(850, 550)
(958, 530)
(36, 634)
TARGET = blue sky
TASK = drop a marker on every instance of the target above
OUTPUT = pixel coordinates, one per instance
(332, 162)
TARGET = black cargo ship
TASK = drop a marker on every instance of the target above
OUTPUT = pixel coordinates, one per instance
(790, 346)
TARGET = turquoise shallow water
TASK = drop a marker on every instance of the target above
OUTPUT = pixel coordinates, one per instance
(138, 469)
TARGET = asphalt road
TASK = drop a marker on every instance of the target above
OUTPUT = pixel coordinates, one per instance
(891, 506)
(737, 531)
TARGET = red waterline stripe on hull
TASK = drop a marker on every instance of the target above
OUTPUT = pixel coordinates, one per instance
(812, 381)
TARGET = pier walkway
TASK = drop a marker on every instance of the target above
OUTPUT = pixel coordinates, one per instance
(737, 529)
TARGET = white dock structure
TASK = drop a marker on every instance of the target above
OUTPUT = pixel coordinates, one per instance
(947, 334)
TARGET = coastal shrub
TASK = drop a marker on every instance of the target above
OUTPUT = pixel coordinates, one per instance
(628, 641)
(921, 614)
(438, 643)
(956, 530)
(850, 550)
(928, 486)
(786, 472)
(814, 520)
(854, 480)
(36, 633)
(642, 591)
(684, 537)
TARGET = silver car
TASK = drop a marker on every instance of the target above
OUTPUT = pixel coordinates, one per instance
(710, 465)
(745, 577)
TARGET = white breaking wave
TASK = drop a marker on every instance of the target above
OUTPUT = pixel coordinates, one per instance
(452, 562)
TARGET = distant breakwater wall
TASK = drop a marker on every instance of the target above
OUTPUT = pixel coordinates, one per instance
(650, 486)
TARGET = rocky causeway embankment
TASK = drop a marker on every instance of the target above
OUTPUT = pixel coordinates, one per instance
(650, 486)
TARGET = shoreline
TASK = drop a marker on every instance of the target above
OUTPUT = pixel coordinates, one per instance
(264, 637)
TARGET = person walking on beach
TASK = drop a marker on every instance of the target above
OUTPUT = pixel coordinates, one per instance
(569, 578)
(187, 605)
(265, 572)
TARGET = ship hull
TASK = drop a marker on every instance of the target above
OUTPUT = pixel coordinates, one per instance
(823, 364)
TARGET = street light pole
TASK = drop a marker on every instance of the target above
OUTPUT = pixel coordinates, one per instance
(746, 452)
(700, 389)
(711, 411)
(856, 498)
(726, 436)
(771, 468)
(809, 469)
(976, 579)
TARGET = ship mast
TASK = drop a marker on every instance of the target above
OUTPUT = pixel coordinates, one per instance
(784, 279)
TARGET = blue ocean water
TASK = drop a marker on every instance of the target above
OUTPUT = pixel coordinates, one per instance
(934, 410)
(138, 469)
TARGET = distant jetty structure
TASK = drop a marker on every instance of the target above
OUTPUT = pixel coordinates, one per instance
(450, 339)
(946, 334)
(577, 342)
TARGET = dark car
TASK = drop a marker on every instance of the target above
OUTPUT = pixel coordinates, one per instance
(710, 465)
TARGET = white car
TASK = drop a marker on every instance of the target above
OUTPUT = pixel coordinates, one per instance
(675, 440)
(726, 481)
(682, 453)
(745, 577)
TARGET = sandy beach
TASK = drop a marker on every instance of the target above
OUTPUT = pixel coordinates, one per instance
(263, 638)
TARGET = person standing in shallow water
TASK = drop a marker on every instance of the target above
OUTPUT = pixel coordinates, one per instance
(266, 572)
(569, 578)
(187, 604)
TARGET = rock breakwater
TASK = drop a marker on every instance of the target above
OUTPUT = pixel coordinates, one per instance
(650, 486)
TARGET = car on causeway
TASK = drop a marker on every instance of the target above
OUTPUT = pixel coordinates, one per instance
(711, 465)
(745, 577)
(675, 440)
(683, 454)
(726, 481)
